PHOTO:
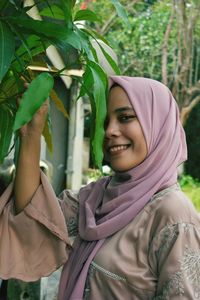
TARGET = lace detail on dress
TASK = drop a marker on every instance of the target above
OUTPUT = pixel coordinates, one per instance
(190, 267)
(92, 268)
(175, 282)
(72, 226)
(112, 275)
(72, 207)
(174, 187)
(167, 236)
(189, 271)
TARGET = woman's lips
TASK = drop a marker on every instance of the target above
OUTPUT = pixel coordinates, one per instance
(117, 149)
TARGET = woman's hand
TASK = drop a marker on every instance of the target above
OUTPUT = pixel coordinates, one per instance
(35, 127)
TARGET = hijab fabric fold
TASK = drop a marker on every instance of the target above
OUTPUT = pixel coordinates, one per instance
(111, 203)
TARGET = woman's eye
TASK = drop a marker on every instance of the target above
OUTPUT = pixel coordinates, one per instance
(126, 118)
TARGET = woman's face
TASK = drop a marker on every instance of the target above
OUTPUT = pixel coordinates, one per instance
(124, 144)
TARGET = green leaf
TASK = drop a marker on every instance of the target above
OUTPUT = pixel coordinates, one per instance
(6, 126)
(23, 39)
(87, 83)
(18, 64)
(95, 84)
(120, 11)
(100, 84)
(7, 48)
(55, 12)
(100, 73)
(94, 53)
(84, 41)
(73, 2)
(35, 46)
(57, 34)
(94, 34)
(47, 29)
(86, 15)
(3, 4)
(72, 39)
(67, 11)
(36, 94)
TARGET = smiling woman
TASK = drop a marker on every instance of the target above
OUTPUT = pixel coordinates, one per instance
(132, 235)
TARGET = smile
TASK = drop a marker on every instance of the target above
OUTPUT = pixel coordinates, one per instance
(117, 149)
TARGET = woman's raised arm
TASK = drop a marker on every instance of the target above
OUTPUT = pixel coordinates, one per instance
(27, 177)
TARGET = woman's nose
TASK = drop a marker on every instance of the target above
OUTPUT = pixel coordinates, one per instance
(111, 129)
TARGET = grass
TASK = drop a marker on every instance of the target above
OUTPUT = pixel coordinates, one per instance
(191, 188)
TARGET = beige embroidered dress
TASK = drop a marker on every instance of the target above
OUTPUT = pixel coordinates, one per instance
(156, 256)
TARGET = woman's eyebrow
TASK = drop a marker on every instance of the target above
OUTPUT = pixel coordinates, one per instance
(124, 108)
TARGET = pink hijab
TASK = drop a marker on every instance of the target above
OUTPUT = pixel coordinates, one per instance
(109, 204)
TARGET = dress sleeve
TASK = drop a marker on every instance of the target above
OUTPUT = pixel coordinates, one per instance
(175, 254)
(35, 242)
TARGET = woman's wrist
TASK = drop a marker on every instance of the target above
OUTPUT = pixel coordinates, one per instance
(27, 137)
(29, 152)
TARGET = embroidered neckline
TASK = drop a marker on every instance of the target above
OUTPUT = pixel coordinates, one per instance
(174, 187)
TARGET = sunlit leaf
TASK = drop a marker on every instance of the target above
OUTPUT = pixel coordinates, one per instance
(110, 61)
(22, 57)
(48, 134)
(94, 34)
(7, 47)
(33, 43)
(8, 87)
(36, 94)
(58, 103)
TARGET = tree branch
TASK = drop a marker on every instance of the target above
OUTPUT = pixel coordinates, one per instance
(185, 111)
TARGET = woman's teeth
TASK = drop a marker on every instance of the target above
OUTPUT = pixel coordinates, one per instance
(118, 148)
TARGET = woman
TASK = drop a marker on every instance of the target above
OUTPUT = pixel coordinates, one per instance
(137, 235)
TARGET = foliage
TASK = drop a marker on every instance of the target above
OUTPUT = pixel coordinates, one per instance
(24, 41)
(191, 188)
(192, 166)
(138, 45)
(161, 42)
